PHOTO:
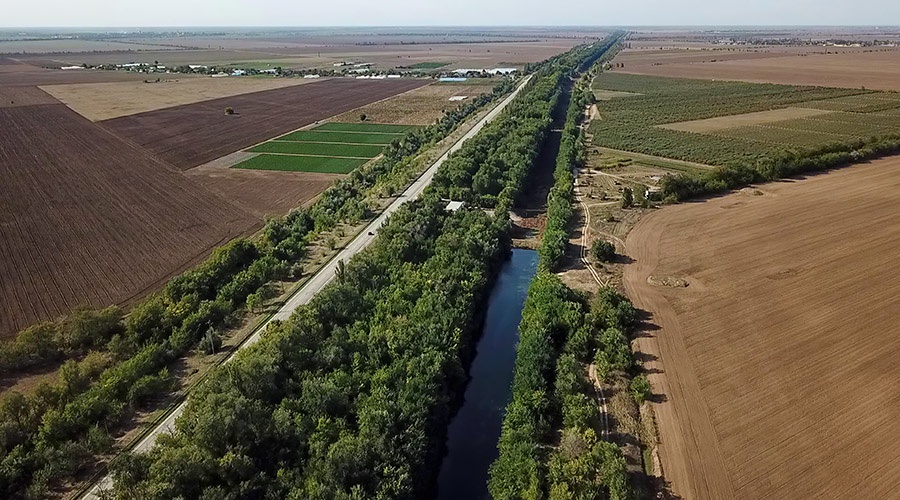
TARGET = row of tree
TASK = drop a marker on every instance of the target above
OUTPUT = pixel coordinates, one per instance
(351, 397)
(684, 186)
(51, 432)
(490, 169)
(549, 446)
(558, 336)
(562, 194)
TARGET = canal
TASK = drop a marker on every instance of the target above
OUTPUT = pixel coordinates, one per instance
(474, 431)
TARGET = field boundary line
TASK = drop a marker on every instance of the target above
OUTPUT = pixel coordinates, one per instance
(325, 142)
(317, 156)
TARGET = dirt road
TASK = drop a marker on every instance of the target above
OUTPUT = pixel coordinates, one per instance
(321, 278)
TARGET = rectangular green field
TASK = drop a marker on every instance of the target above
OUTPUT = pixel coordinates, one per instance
(318, 149)
(365, 127)
(340, 137)
(315, 164)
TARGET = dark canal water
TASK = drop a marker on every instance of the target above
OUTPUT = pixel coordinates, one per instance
(473, 433)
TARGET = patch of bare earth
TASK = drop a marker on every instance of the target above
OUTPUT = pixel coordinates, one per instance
(417, 107)
(872, 69)
(775, 370)
(104, 101)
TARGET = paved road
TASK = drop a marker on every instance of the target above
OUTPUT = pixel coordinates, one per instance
(321, 278)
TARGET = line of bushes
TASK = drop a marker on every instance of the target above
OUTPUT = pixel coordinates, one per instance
(571, 156)
(562, 194)
(53, 431)
(684, 186)
(351, 397)
(550, 400)
(489, 170)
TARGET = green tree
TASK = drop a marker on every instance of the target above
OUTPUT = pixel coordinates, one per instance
(603, 250)
(640, 389)
(627, 198)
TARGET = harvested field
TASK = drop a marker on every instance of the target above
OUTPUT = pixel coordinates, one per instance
(730, 121)
(18, 74)
(293, 163)
(194, 134)
(93, 219)
(68, 45)
(420, 107)
(877, 70)
(104, 101)
(265, 194)
(775, 369)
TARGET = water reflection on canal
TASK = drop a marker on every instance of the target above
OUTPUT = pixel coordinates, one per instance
(474, 432)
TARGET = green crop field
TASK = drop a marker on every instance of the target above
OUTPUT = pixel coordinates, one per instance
(365, 127)
(340, 137)
(864, 103)
(318, 149)
(328, 148)
(632, 123)
(316, 164)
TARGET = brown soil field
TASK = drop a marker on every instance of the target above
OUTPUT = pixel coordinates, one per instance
(263, 193)
(104, 101)
(775, 370)
(12, 97)
(86, 218)
(313, 55)
(418, 107)
(877, 70)
(28, 75)
(66, 45)
(194, 134)
(759, 118)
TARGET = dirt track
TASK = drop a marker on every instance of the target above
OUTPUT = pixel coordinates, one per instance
(194, 134)
(776, 368)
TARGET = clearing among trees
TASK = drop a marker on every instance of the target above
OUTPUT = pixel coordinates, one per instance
(775, 369)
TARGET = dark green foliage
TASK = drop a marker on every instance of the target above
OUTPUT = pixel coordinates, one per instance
(46, 433)
(640, 389)
(351, 397)
(562, 194)
(82, 329)
(490, 168)
(603, 250)
(627, 197)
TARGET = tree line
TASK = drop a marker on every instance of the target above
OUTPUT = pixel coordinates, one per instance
(684, 186)
(489, 169)
(351, 397)
(551, 403)
(52, 432)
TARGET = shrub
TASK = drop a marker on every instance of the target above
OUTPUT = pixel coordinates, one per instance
(603, 250)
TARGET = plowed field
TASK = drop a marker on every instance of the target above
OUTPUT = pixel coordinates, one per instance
(776, 368)
(86, 218)
(873, 70)
(194, 134)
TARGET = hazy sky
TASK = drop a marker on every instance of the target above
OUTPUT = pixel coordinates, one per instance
(134, 13)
